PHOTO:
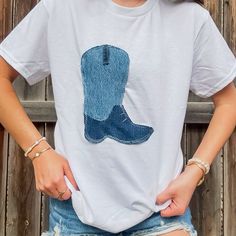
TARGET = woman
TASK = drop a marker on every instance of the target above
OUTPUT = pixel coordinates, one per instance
(121, 73)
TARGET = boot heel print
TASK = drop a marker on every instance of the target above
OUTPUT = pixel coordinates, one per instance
(105, 71)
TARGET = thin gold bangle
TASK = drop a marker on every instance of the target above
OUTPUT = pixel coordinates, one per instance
(202, 178)
(37, 154)
(201, 162)
(33, 145)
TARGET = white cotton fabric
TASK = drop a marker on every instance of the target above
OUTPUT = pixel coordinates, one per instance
(172, 46)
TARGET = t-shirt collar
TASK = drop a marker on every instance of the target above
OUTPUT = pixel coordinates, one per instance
(130, 11)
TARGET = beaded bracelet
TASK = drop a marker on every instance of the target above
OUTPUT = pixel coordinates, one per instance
(33, 145)
(205, 167)
(204, 164)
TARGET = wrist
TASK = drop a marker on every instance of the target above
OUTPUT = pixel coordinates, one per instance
(194, 173)
(43, 144)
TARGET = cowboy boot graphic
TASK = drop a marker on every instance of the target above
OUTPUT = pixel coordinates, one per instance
(104, 71)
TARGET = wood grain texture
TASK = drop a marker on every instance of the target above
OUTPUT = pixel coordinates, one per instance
(49, 134)
(44, 111)
(229, 213)
(23, 201)
(5, 27)
(229, 26)
(3, 177)
(24, 211)
(6, 7)
(206, 202)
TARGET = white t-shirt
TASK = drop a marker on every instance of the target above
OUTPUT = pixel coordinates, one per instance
(121, 78)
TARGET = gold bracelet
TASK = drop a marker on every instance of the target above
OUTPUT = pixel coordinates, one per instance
(202, 178)
(199, 161)
(37, 154)
(33, 145)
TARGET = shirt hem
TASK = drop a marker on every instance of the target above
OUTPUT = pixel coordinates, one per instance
(16, 65)
(229, 78)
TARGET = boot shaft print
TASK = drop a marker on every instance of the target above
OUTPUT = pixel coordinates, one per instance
(105, 70)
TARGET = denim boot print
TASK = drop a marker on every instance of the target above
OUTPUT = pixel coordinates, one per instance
(105, 73)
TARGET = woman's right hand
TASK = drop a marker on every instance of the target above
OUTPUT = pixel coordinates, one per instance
(49, 170)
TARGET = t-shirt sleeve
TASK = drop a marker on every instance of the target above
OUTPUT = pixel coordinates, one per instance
(25, 47)
(214, 64)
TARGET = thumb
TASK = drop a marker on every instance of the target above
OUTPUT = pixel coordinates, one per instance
(163, 196)
(69, 175)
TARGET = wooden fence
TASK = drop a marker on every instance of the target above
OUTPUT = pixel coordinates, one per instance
(24, 210)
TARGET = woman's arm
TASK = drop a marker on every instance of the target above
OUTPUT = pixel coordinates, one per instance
(50, 166)
(219, 130)
(12, 114)
(220, 127)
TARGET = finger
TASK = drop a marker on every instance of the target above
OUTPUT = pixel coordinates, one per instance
(64, 195)
(69, 175)
(172, 210)
(45, 190)
(49, 192)
(168, 211)
(49, 188)
(164, 196)
(62, 187)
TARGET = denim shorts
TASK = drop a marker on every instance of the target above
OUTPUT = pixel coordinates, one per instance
(63, 221)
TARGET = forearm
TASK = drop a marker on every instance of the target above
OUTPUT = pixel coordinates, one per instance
(219, 130)
(14, 118)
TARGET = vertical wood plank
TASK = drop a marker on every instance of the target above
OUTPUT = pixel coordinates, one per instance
(49, 134)
(23, 201)
(49, 89)
(230, 147)
(215, 8)
(49, 131)
(3, 177)
(5, 18)
(24, 212)
(230, 186)
(184, 144)
(230, 23)
(5, 28)
(206, 201)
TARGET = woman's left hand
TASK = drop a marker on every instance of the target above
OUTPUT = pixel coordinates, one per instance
(180, 191)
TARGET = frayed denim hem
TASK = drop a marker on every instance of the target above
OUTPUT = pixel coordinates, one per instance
(166, 229)
(58, 233)
(47, 233)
